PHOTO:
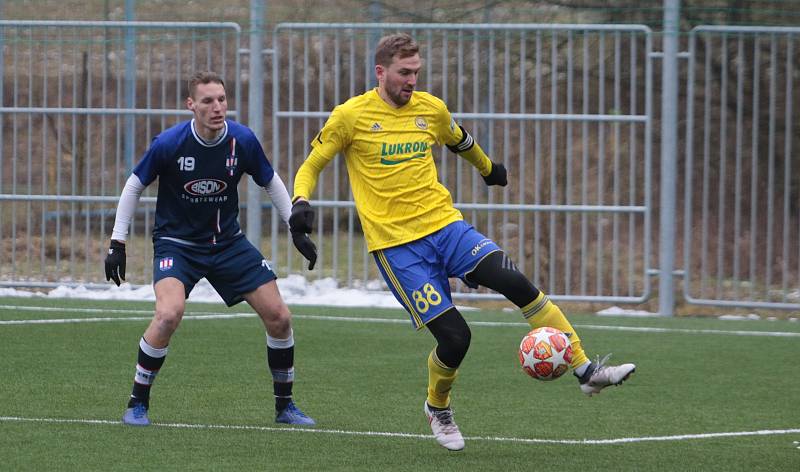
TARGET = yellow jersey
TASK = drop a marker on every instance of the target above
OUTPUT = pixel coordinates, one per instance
(389, 159)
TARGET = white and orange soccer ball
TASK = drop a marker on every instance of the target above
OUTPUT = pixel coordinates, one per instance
(545, 353)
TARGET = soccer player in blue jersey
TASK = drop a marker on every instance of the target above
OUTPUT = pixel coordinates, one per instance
(198, 164)
(417, 237)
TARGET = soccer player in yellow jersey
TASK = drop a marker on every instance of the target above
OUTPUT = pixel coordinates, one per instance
(417, 237)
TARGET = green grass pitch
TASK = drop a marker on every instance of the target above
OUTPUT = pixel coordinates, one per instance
(707, 394)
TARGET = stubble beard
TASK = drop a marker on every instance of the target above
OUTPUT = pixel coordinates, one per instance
(398, 98)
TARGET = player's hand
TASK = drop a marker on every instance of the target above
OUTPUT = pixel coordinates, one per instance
(497, 176)
(115, 262)
(300, 224)
(302, 218)
(306, 247)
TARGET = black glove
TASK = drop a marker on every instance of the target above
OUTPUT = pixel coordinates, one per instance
(115, 262)
(302, 218)
(497, 176)
(306, 247)
(300, 224)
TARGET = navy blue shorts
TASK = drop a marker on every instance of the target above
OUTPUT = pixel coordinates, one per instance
(233, 268)
(418, 272)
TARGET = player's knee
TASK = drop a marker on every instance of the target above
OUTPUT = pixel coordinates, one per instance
(277, 320)
(167, 319)
(453, 337)
(453, 348)
(460, 341)
(282, 319)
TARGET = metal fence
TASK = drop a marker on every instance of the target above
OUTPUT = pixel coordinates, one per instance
(742, 173)
(80, 102)
(568, 108)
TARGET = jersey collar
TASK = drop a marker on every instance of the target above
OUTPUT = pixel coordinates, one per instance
(205, 143)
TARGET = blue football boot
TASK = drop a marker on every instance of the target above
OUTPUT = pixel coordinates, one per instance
(292, 415)
(136, 416)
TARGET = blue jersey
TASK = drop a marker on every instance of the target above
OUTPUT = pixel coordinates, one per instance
(198, 199)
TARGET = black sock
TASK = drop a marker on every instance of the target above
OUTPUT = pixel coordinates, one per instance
(582, 379)
(148, 363)
(280, 358)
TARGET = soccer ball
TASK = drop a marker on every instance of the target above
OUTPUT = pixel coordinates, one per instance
(545, 353)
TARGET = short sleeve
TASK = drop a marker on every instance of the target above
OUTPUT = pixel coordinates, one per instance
(149, 167)
(258, 166)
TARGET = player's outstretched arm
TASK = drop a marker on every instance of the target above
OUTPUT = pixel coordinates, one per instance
(493, 173)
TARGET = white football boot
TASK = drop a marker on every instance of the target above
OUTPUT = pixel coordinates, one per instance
(444, 428)
(600, 376)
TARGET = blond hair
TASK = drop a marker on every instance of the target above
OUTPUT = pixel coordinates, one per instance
(399, 44)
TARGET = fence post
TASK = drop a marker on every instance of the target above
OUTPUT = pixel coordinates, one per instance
(255, 114)
(130, 85)
(669, 137)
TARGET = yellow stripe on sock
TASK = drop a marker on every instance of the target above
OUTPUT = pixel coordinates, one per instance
(399, 288)
(535, 306)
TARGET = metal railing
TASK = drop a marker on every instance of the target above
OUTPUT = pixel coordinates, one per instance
(566, 107)
(742, 203)
(82, 101)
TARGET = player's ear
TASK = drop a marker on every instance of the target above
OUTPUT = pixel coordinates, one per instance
(380, 72)
(190, 103)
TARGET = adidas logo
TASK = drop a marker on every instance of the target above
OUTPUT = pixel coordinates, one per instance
(376, 127)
